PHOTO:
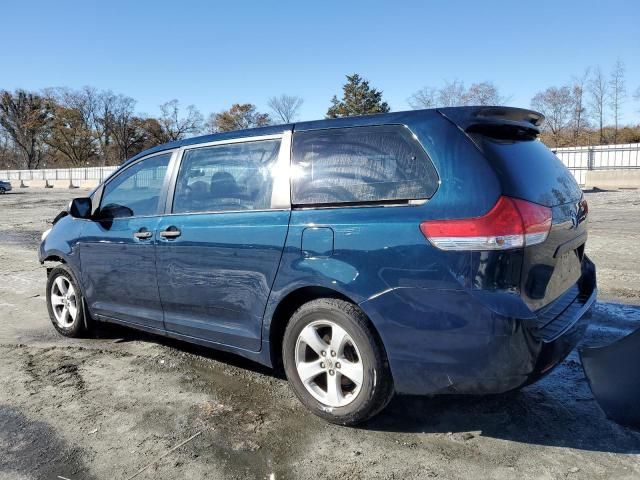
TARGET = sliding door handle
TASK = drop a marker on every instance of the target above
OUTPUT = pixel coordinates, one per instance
(143, 234)
(171, 232)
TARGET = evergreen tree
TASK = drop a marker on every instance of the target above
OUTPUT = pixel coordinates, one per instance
(358, 99)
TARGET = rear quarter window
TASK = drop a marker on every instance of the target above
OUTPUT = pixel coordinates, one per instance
(360, 164)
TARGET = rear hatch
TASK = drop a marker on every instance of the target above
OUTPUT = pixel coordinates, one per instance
(528, 170)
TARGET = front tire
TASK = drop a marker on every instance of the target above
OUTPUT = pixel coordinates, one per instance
(335, 362)
(65, 302)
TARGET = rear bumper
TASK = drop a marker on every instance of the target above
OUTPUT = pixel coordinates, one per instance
(7, 187)
(450, 342)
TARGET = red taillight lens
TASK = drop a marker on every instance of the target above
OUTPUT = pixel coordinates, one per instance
(511, 223)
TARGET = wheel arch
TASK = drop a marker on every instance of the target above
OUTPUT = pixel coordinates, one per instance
(51, 261)
(286, 308)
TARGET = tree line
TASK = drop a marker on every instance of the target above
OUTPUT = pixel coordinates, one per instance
(587, 110)
(61, 127)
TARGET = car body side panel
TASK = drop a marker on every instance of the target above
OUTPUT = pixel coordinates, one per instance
(439, 336)
(119, 270)
(380, 248)
(375, 249)
(63, 242)
(215, 278)
(448, 342)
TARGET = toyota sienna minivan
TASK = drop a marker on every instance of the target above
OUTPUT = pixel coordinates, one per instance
(424, 252)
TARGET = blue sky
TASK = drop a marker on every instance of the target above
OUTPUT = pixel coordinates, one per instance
(212, 54)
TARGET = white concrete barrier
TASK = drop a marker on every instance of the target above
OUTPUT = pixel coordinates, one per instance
(89, 184)
(611, 179)
(84, 184)
(35, 183)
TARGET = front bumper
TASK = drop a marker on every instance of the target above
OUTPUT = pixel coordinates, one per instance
(450, 342)
(7, 187)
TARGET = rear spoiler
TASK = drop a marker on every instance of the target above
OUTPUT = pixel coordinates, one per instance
(482, 118)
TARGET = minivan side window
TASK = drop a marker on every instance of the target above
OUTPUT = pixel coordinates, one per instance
(360, 164)
(136, 191)
(229, 177)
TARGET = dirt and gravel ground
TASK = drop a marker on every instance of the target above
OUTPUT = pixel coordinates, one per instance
(103, 408)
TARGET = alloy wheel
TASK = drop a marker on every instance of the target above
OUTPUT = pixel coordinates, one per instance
(328, 363)
(64, 302)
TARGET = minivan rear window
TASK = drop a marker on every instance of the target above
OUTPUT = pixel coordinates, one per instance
(529, 170)
(360, 164)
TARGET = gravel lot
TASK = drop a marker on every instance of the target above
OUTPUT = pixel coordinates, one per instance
(106, 407)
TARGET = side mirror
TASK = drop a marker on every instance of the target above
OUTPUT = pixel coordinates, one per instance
(80, 208)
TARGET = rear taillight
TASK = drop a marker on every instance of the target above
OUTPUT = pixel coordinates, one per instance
(511, 223)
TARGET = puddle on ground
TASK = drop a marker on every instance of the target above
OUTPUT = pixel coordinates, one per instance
(253, 424)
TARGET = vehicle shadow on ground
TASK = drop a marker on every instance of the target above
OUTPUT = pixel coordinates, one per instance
(14, 192)
(531, 416)
(36, 450)
(558, 411)
(122, 334)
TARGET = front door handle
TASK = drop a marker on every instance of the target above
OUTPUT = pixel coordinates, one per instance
(171, 232)
(143, 234)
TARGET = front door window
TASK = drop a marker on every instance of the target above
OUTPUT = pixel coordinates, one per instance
(136, 191)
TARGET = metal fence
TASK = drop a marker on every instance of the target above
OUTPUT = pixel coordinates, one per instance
(579, 160)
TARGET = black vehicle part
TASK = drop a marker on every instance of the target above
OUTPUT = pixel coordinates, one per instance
(60, 216)
(615, 379)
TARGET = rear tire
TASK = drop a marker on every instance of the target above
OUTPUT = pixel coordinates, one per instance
(335, 362)
(65, 303)
(2, 190)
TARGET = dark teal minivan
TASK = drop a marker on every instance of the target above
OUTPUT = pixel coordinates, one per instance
(423, 252)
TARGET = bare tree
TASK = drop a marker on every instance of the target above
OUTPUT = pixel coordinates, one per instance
(617, 94)
(556, 104)
(102, 105)
(579, 112)
(452, 94)
(599, 91)
(25, 117)
(285, 107)
(124, 127)
(6, 153)
(426, 97)
(174, 127)
(483, 93)
(238, 117)
(72, 134)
